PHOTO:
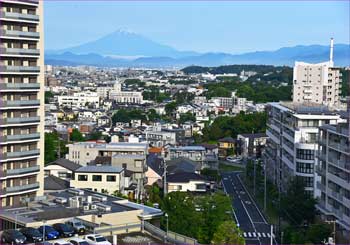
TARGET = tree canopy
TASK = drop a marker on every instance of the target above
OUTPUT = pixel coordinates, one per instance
(228, 233)
(224, 126)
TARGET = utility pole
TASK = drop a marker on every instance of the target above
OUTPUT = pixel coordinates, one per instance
(271, 235)
(254, 175)
(265, 187)
(165, 187)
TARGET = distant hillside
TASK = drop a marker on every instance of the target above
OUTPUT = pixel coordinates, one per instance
(171, 58)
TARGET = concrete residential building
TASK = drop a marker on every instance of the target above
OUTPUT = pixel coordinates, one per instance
(290, 150)
(84, 153)
(251, 145)
(22, 113)
(79, 100)
(318, 83)
(159, 137)
(334, 169)
(125, 97)
(105, 179)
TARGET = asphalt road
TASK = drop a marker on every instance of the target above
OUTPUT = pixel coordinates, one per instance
(250, 219)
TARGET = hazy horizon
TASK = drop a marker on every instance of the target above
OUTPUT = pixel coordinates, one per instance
(231, 27)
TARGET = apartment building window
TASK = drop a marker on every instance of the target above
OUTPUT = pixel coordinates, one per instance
(111, 178)
(308, 181)
(306, 168)
(97, 178)
(305, 154)
(82, 177)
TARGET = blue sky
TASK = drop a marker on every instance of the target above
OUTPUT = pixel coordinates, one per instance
(228, 26)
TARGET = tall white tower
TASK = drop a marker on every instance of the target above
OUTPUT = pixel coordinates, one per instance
(317, 83)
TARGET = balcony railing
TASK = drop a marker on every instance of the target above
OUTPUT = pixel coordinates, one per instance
(19, 51)
(26, 2)
(343, 163)
(16, 103)
(18, 120)
(21, 137)
(18, 171)
(19, 16)
(18, 154)
(19, 86)
(20, 188)
(321, 186)
(339, 146)
(20, 69)
(19, 34)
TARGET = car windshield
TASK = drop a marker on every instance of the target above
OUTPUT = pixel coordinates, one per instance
(66, 228)
(100, 239)
(83, 243)
(34, 232)
(77, 224)
(48, 229)
(15, 233)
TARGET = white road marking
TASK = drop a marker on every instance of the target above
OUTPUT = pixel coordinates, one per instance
(244, 234)
(259, 234)
(263, 234)
(254, 234)
(249, 234)
(268, 235)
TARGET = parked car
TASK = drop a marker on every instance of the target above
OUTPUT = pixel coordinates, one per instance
(32, 234)
(96, 239)
(78, 227)
(62, 242)
(233, 159)
(12, 237)
(64, 229)
(49, 232)
(78, 241)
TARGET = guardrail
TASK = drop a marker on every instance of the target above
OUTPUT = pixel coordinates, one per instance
(169, 236)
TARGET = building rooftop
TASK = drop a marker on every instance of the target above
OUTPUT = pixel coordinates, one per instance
(188, 148)
(49, 209)
(184, 177)
(66, 164)
(99, 169)
(305, 108)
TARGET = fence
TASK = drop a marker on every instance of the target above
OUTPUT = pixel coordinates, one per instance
(169, 236)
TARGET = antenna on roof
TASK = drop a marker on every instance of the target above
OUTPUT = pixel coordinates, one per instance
(331, 50)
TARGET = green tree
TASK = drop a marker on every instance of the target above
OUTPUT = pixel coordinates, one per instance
(297, 206)
(152, 115)
(228, 233)
(170, 108)
(76, 136)
(182, 214)
(185, 117)
(48, 96)
(51, 147)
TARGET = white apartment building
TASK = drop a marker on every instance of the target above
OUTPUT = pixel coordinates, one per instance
(84, 153)
(125, 97)
(318, 83)
(291, 147)
(22, 115)
(105, 179)
(79, 100)
(158, 137)
(103, 91)
(334, 169)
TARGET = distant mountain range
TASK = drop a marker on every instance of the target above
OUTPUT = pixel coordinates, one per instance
(125, 49)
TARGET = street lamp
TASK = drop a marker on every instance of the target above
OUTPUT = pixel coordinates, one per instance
(167, 225)
(44, 221)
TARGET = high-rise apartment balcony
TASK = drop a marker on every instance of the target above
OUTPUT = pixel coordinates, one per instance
(24, 2)
(21, 188)
(7, 69)
(19, 171)
(19, 52)
(321, 186)
(342, 163)
(19, 34)
(18, 120)
(19, 86)
(8, 104)
(18, 16)
(19, 154)
(19, 137)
